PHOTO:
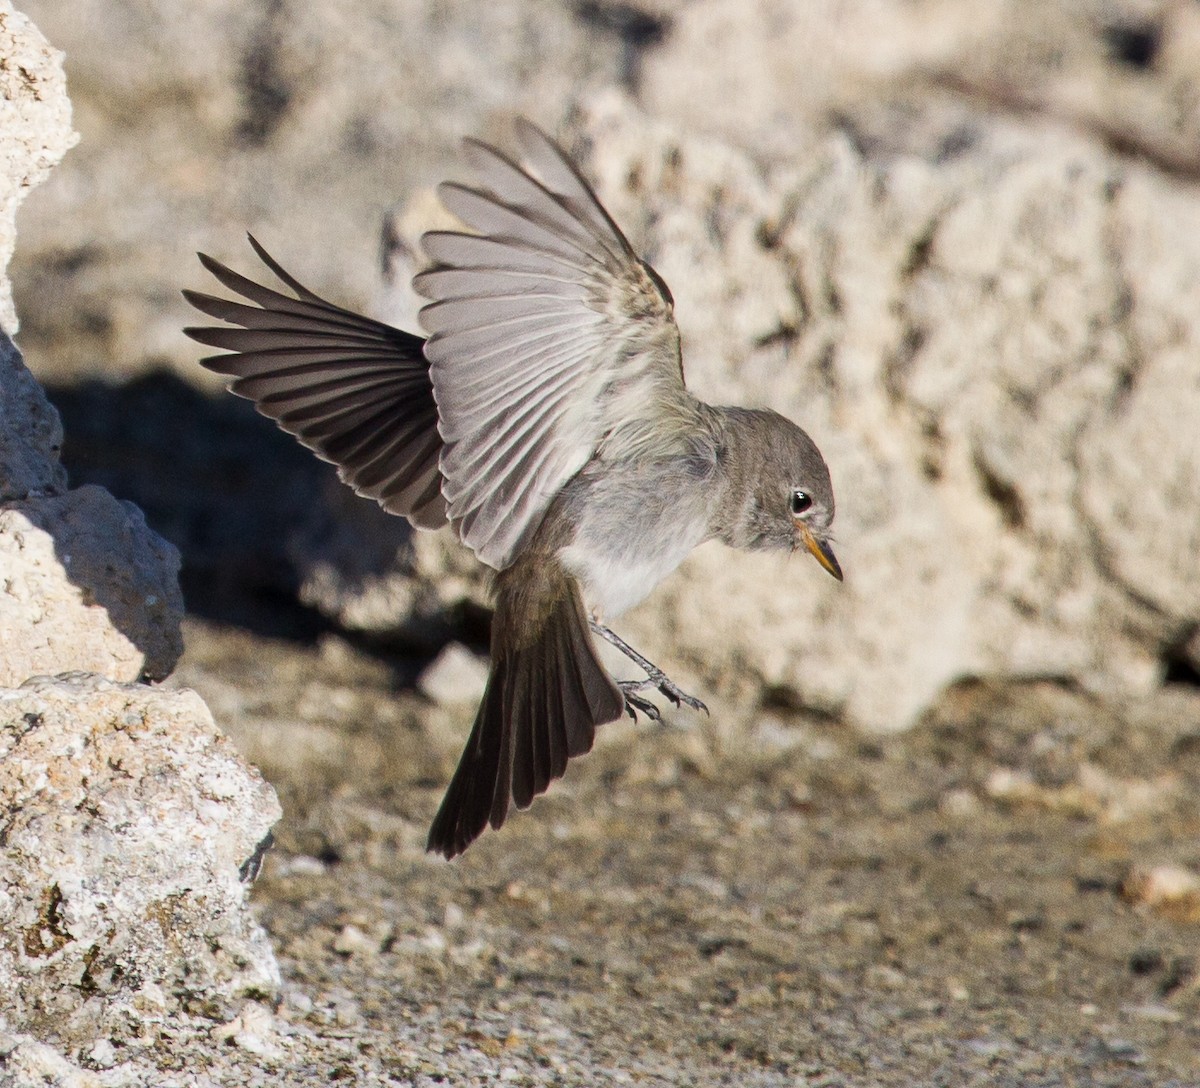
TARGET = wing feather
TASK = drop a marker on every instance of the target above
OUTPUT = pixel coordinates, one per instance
(501, 282)
(453, 250)
(548, 336)
(494, 219)
(502, 314)
(518, 189)
(562, 177)
(355, 391)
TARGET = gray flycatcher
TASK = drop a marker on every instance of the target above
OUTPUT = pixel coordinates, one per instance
(546, 419)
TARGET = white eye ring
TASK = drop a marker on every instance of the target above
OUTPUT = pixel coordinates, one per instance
(801, 501)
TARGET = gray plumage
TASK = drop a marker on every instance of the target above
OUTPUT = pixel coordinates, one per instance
(546, 418)
(355, 391)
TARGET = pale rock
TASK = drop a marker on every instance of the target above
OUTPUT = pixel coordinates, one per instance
(369, 571)
(957, 335)
(254, 1030)
(26, 1062)
(35, 130)
(755, 71)
(86, 585)
(1169, 890)
(456, 675)
(132, 828)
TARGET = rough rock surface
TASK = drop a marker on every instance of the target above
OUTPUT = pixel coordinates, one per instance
(35, 128)
(31, 435)
(1125, 71)
(992, 347)
(85, 584)
(131, 828)
(914, 229)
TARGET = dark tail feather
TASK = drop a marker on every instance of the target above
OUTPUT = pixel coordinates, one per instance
(546, 695)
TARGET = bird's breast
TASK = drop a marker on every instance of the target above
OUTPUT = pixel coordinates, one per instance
(628, 538)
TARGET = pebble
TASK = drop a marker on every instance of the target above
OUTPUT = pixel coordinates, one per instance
(1169, 890)
(456, 675)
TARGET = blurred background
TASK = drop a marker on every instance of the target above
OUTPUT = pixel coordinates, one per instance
(957, 244)
(960, 244)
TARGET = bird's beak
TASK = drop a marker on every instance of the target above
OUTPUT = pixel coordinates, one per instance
(821, 550)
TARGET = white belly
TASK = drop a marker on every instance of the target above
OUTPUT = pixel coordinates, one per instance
(616, 574)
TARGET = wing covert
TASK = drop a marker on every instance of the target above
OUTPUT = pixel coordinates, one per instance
(548, 338)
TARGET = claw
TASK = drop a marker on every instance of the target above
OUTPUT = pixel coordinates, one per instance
(679, 697)
(634, 703)
(655, 678)
(671, 690)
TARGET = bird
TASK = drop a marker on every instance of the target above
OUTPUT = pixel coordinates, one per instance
(543, 416)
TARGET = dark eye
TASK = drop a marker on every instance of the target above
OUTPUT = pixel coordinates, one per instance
(801, 501)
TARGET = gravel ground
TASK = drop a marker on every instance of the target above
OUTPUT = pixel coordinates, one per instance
(797, 905)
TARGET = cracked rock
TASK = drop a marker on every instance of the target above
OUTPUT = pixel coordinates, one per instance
(128, 820)
(995, 352)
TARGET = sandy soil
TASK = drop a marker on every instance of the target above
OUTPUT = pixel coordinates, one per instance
(779, 902)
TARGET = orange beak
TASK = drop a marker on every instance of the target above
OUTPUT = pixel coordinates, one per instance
(821, 551)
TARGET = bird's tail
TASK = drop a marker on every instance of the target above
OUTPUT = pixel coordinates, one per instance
(546, 695)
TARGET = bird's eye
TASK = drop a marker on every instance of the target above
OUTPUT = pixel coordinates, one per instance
(801, 501)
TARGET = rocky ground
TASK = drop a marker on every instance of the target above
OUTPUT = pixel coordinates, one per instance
(975, 902)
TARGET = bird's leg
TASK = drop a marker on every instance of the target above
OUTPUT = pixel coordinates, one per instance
(655, 677)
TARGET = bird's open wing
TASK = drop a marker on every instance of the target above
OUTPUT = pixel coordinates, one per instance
(354, 390)
(548, 338)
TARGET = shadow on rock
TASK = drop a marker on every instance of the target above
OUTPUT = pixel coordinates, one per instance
(243, 503)
(86, 585)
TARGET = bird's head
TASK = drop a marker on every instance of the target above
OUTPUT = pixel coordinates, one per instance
(780, 494)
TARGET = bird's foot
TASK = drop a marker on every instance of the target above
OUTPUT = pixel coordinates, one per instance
(635, 702)
(671, 690)
(655, 678)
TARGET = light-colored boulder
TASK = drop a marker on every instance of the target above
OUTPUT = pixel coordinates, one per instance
(996, 372)
(132, 830)
(86, 586)
(454, 677)
(35, 128)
